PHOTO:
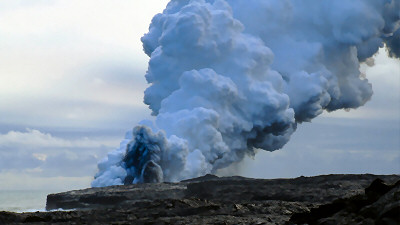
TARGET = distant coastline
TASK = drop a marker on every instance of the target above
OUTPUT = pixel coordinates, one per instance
(24, 200)
(231, 200)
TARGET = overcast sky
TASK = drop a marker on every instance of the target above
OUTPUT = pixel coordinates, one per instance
(72, 82)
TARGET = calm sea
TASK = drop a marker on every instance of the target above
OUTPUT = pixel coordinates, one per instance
(23, 201)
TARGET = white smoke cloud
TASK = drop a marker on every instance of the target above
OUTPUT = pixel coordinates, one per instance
(228, 77)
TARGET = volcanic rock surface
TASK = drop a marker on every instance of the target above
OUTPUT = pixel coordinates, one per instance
(379, 205)
(227, 200)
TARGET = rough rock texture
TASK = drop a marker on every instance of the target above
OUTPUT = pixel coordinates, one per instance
(213, 200)
(379, 205)
(114, 195)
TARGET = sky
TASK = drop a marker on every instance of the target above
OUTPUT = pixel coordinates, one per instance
(72, 82)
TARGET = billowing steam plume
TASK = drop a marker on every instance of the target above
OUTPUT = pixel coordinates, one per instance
(229, 76)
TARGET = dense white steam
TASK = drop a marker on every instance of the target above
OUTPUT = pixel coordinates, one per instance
(227, 77)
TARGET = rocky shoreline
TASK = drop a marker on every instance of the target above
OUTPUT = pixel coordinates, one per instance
(326, 199)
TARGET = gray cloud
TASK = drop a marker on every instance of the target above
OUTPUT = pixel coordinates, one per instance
(12, 160)
(42, 154)
(69, 165)
(332, 145)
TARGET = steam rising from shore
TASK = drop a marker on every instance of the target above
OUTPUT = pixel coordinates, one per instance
(228, 77)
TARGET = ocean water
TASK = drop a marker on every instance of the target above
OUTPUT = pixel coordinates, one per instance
(23, 201)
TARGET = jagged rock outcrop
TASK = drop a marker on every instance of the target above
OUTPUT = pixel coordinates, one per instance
(204, 200)
(380, 204)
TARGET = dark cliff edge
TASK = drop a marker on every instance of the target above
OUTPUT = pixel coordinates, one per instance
(326, 199)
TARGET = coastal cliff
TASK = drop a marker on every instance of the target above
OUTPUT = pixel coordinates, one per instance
(227, 200)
